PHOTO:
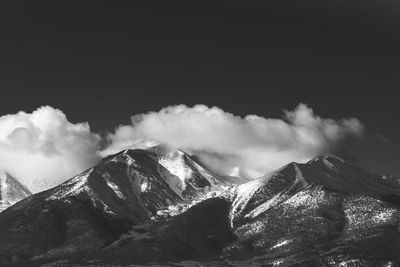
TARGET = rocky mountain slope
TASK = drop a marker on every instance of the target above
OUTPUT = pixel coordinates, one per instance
(325, 212)
(11, 190)
(93, 209)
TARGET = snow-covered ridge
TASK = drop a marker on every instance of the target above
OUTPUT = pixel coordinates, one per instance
(330, 172)
(327, 159)
(144, 144)
(72, 187)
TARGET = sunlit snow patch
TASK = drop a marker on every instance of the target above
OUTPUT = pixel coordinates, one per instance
(281, 243)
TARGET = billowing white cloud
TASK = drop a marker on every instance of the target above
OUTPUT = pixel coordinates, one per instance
(43, 148)
(227, 143)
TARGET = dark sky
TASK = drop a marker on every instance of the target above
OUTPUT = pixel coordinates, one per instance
(103, 61)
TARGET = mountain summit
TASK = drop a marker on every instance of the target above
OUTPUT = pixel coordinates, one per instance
(159, 205)
(11, 190)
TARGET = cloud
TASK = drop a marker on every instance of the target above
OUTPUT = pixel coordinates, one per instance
(226, 143)
(43, 148)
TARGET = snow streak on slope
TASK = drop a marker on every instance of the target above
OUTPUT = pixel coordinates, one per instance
(72, 187)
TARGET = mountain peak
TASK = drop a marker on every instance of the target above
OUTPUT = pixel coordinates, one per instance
(144, 144)
(11, 190)
(327, 158)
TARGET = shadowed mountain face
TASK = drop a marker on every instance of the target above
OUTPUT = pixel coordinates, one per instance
(11, 190)
(133, 209)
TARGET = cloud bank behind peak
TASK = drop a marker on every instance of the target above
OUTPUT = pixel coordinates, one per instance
(43, 148)
(226, 143)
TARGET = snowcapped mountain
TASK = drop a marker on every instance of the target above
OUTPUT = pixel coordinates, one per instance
(325, 212)
(330, 172)
(184, 165)
(11, 190)
(191, 173)
(127, 189)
